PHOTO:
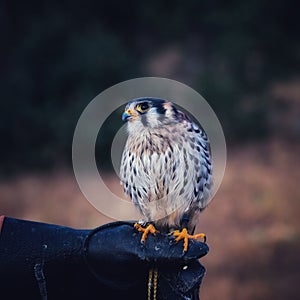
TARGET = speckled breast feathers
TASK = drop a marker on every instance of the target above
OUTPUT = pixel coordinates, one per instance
(166, 163)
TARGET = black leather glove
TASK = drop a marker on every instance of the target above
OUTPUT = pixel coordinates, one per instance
(43, 261)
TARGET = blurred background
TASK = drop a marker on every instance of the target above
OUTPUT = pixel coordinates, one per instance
(242, 56)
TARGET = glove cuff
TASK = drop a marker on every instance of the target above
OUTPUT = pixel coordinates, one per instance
(34, 256)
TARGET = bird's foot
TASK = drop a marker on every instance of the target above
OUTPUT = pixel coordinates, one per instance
(146, 230)
(185, 236)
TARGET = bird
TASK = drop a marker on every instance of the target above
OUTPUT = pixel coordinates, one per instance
(166, 168)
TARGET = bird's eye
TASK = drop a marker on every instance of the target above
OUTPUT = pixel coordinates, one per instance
(142, 107)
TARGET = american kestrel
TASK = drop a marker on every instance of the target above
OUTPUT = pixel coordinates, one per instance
(166, 167)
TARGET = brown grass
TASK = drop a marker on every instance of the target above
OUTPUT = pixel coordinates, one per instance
(252, 224)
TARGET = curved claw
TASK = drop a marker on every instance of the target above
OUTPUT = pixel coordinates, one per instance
(149, 229)
(185, 236)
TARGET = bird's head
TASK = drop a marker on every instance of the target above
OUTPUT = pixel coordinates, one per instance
(148, 113)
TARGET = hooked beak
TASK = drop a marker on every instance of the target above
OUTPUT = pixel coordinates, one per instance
(126, 115)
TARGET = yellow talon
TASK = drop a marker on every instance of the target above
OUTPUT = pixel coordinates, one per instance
(183, 235)
(149, 229)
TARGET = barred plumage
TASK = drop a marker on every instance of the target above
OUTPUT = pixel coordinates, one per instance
(166, 164)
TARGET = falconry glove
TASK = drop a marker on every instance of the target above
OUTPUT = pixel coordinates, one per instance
(43, 261)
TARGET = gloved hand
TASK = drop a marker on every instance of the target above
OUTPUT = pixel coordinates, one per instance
(42, 261)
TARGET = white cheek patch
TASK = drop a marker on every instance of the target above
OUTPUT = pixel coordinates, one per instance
(135, 126)
(153, 118)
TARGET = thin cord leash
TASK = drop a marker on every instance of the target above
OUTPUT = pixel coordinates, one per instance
(152, 283)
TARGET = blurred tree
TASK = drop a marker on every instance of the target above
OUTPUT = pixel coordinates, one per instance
(57, 55)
